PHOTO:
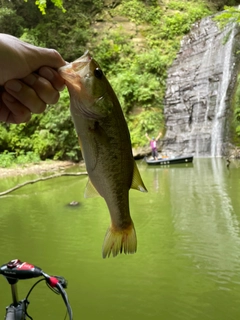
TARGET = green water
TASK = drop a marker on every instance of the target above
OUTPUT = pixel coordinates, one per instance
(188, 260)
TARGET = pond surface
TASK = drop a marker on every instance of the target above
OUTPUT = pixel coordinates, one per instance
(188, 261)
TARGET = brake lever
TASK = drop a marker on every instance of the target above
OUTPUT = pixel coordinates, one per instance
(59, 283)
(54, 280)
(62, 281)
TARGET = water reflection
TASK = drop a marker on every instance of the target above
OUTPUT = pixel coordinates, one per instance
(203, 237)
(203, 213)
(187, 264)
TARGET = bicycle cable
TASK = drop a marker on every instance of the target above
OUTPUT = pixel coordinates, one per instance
(33, 286)
(58, 290)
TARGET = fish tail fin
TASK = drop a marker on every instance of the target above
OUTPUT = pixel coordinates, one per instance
(118, 241)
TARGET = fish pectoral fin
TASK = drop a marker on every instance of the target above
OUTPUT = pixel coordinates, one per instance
(90, 190)
(137, 182)
(80, 144)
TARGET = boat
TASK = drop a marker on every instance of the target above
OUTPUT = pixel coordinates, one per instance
(172, 160)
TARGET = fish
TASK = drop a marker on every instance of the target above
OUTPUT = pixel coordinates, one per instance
(105, 143)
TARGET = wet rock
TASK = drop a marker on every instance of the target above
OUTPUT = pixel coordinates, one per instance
(73, 204)
(141, 152)
(200, 86)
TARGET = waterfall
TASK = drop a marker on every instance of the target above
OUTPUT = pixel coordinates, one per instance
(220, 112)
(200, 84)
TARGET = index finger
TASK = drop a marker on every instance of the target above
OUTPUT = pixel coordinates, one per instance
(13, 111)
(53, 76)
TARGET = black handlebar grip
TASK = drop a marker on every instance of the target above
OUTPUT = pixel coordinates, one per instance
(15, 269)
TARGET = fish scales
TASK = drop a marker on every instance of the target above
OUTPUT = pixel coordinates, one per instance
(105, 142)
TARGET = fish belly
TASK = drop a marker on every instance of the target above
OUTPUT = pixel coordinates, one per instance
(109, 162)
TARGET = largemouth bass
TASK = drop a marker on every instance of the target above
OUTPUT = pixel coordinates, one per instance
(105, 143)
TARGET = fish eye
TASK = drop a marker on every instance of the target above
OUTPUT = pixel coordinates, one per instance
(98, 73)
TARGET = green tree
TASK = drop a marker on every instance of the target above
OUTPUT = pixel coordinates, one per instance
(229, 15)
(42, 5)
(10, 22)
(137, 72)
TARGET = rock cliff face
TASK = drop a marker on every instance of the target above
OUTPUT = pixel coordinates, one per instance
(200, 86)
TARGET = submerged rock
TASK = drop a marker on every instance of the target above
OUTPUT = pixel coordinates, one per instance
(73, 204)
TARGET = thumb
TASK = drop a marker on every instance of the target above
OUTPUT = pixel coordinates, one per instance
(52, 58)
(46, 57)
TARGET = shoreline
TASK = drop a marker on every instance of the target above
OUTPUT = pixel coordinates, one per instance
(36, 168)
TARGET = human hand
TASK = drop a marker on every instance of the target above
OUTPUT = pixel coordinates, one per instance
(28, 80)
(159, 136)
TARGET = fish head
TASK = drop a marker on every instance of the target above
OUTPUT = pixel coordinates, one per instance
(87, 83)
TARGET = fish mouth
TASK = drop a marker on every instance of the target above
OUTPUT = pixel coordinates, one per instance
(71, 71)
(76, 65)
(75, 75)
(81, 62)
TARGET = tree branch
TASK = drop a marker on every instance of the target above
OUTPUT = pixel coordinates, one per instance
(41, 179)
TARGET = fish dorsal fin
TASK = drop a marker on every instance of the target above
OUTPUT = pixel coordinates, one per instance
(90, 190)
(137, 182)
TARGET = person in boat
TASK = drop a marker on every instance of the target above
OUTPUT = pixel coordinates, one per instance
(153, 144)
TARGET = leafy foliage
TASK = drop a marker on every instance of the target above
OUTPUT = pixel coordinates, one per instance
(10, 22)
(49, 135)
(42, 5)
(140, 12)
(8, 159)
(148, 120)
(229, 15)
(236, 117)
(56, 31)
(139, 77)
(137, 73)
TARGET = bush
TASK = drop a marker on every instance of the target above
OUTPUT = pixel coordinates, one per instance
(137, 74)
(49, 135)
(10, 22)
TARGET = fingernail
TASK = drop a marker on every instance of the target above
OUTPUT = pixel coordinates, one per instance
(13, 85)
(46, 73)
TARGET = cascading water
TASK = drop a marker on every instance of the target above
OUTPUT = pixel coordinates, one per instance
(199, 89)
(220, 112)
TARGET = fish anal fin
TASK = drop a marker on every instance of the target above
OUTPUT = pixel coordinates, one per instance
(90, 190)
(137, 182)
(119, 241)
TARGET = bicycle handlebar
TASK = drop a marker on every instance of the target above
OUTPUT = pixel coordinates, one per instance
(16, 270)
